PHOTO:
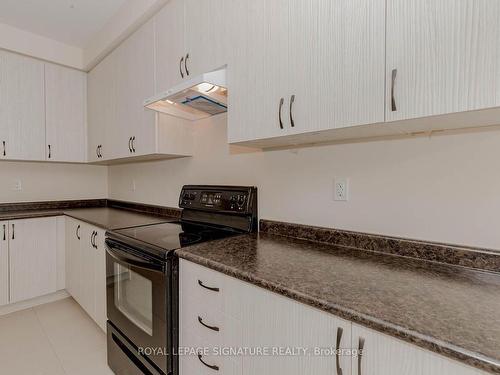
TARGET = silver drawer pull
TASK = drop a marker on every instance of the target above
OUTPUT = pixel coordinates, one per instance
(213, 367)
(200, 283)
(337, 352)
(213, 328)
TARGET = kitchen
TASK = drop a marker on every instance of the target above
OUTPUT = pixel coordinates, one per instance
(368, 129)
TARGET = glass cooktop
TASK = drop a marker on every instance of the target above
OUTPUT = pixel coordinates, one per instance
(174, 235)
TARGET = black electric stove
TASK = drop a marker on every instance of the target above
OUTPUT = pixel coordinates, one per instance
(142, 275)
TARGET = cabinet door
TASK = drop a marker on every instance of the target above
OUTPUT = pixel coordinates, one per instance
(385, 355)
(65, 114)
(135, 82)
(100, 280)
(288, 324)
(4, 263)
(33, 258)
(169, 36)
(87, 266)
(101, 108)
(261, 76)
(22, 107)
(206, 35)
(72, 259)
(446, 56)
(337, 63)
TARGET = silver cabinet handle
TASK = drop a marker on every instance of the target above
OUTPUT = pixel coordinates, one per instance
(13, 232)
(292, 100)
(337, 350)
(393, 84)
(4, 232)
(186, 64)
(361, 345)
(97, 151)
(279, 112)
(133, 145)
(180, 66)
(4, 149)
(78, 232)
(50, 152)
(100, 149)
(130, 144)
(95, 237)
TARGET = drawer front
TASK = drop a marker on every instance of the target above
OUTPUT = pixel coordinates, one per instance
(213, 360)
(202, 285)
(229, 297)
(212, 328)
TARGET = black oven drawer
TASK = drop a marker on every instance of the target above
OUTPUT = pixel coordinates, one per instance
(123, 359)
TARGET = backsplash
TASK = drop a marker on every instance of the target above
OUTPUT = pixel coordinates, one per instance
(412, 188)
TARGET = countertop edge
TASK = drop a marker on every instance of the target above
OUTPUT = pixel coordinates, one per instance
(446, 349)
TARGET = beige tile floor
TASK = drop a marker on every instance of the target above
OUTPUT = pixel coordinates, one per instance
(58, 338)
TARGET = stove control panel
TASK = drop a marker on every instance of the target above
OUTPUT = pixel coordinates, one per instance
(217, 199)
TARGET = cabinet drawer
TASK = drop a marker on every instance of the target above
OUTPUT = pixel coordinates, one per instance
(212, 355)
(202, 285)
(211, 328)
(228, 298)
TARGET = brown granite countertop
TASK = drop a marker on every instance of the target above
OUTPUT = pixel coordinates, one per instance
(451, 310)
(104, 217)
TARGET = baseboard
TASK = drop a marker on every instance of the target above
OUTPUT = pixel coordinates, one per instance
(7, 309)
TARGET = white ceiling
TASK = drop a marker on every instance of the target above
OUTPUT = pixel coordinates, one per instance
(73, 22)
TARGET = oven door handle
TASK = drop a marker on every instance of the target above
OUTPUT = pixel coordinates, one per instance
(132, 260)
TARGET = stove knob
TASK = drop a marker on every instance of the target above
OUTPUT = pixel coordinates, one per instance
(241, 199)
(233, 199)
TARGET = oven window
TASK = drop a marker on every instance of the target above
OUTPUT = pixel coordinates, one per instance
(134, 297)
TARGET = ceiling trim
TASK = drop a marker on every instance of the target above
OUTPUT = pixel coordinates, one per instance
(30, 44)
(128, 19)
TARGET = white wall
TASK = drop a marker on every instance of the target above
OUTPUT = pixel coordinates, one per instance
(443, 189)
(46, 181)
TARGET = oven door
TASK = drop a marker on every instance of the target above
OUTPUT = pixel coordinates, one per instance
(137, 295)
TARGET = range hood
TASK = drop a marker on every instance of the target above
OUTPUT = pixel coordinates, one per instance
(194, 99)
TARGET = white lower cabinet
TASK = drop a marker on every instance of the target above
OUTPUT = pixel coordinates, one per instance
(385, 355)
(32, 258)
(219, 312)
(86, 268)
(4, 263)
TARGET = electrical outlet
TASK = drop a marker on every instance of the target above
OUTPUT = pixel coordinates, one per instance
(18, 186)
(341, 189)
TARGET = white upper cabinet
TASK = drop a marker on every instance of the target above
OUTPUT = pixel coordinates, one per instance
(120, 127)
(191, 39)
(22, 108)
(444, 55)
(336, 64)
(65, 113)
(309, 65)
(102, 107)
(205, 34)
(4, 263)
(259, 79)
(134, 132)
(170, 51)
